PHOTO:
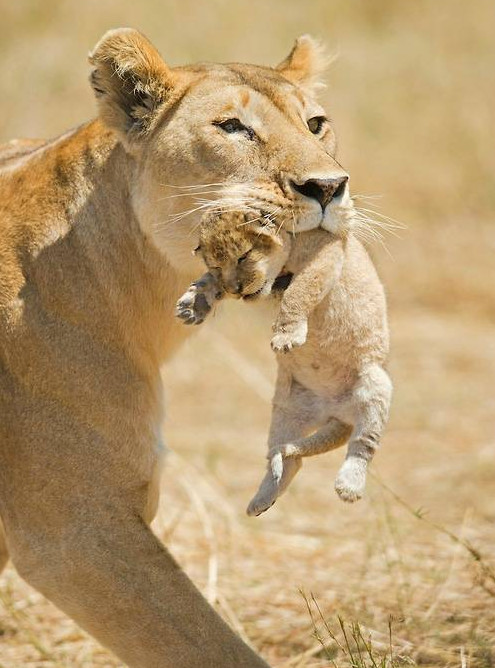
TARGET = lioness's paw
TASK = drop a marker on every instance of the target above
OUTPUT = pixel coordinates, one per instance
(351, 479)
(293, 336)
(192, 307)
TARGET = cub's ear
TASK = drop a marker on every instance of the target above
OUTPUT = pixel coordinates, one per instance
(266, 235)
(306, 64)
(130, 81)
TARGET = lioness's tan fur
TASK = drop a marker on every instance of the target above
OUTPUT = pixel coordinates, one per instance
(92, 262)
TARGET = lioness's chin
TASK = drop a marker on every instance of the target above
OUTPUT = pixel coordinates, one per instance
(339, 215)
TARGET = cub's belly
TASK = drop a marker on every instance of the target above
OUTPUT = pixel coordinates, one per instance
(321, 370)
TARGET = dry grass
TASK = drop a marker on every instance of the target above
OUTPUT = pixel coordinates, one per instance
(412, 96)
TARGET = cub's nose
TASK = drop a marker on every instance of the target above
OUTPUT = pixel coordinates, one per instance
(233, 286)
(322, 190)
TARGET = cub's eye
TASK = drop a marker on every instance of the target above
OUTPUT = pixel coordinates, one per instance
(316, 123)
(232, 125)
(243, 258)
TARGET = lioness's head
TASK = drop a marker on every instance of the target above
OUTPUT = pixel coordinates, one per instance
(206, 133)
(245, 252)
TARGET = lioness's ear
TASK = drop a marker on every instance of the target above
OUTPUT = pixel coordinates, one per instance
(305, 64)
(130, 81)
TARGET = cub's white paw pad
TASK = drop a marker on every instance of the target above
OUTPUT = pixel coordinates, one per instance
(351, 479)
(293, 337)
(192, 307)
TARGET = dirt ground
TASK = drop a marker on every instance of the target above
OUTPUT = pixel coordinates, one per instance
(412, 97)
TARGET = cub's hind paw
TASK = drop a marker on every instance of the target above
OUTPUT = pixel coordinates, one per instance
(292, 336)
(351, 479)
(264, 498)
(259, 505)
(193, 307)
(269, 489)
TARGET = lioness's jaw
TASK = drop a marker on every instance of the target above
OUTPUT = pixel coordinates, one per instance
(130, 81)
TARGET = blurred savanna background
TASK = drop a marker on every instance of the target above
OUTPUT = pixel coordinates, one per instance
(412, 96)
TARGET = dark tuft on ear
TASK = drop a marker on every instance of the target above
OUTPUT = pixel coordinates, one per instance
(130, 81)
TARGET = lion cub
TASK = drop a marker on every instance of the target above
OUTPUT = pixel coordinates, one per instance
(331, 336)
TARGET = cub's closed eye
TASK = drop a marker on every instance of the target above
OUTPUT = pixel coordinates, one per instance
(243, 258)
(232, 125)
(316, 123)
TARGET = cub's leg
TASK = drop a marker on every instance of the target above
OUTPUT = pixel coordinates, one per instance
(307, 289)
(4, 554)
(370, 402)
(293, 416)
(332, 435)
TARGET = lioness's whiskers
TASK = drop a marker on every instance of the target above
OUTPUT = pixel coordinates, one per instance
(359, 196)
(213, 204)
(293, 224)
(365, 230)
(202, 192)
(392, 222)
(173, 219)
(192, 187)
(268, 218)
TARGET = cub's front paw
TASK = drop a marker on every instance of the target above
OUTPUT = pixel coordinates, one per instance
(192, 307)
(351, 479)
(292, 336)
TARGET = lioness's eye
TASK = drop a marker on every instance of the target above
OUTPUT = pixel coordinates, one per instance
(234, 125)
(316, 123)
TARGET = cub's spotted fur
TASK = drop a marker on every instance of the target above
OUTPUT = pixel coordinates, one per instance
(330, 334)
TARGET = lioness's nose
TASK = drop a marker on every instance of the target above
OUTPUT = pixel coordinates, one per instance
(322, 190)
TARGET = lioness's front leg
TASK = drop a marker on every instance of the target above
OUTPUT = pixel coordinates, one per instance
(197, 302)
(94, 557)
(4, 553)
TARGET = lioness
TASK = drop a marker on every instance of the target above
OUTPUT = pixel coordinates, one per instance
(94, 252)
(332, 320)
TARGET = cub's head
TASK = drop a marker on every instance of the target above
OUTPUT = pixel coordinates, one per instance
(210, 135)
(245, 253)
